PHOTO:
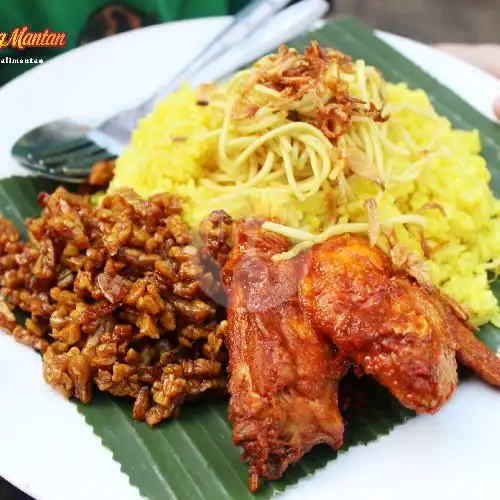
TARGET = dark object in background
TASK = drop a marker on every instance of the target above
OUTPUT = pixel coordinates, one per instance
(112, 19)
(9, 492)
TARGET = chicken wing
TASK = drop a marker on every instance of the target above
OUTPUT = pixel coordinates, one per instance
(393, 328)
(283, 378)
(404, 334)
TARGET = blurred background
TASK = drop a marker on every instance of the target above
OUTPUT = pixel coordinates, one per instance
(430, 21)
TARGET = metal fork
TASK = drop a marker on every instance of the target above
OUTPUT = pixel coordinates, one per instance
(65, 150)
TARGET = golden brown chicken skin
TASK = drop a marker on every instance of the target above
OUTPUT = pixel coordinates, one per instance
(283, 378)
(395, 329)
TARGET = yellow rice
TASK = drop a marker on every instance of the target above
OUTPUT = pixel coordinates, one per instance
(166, 154)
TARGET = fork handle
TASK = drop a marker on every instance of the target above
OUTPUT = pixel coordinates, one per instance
(243, 24)
(114, 133)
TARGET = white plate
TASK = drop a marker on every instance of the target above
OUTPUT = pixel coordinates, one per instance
(47, 450)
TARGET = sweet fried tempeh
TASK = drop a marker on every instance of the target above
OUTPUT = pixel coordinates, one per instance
(283, 379)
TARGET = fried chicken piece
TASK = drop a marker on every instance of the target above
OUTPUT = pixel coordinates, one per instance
(388, 324)
(283, 378)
